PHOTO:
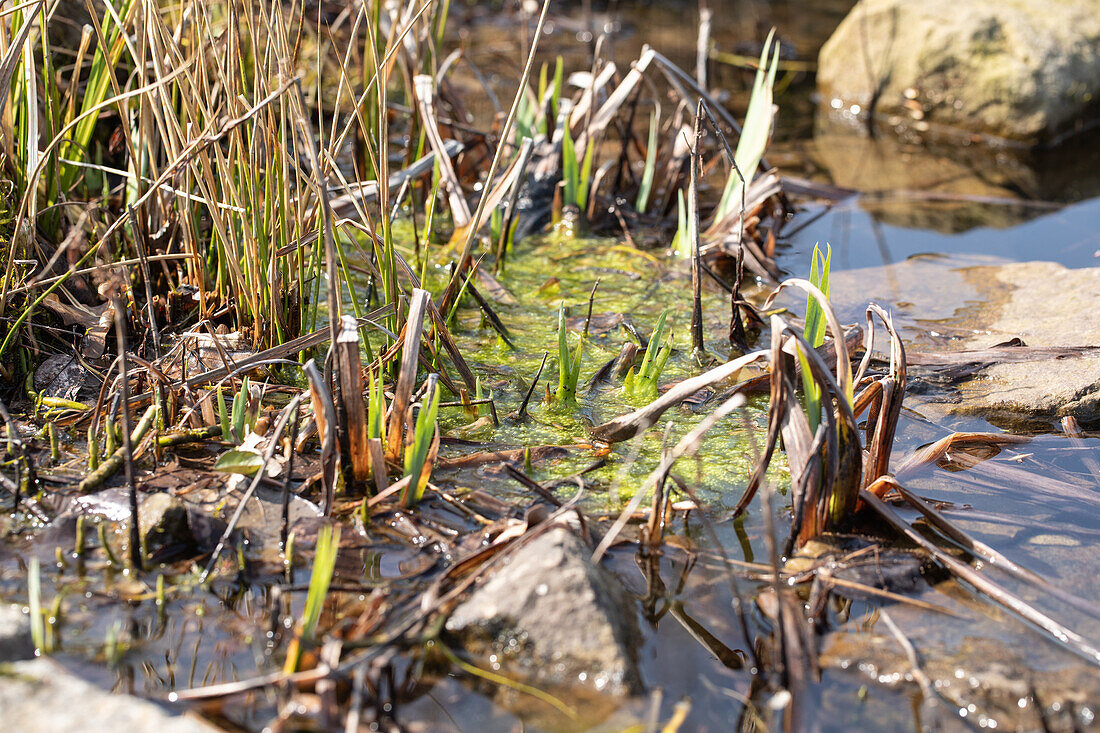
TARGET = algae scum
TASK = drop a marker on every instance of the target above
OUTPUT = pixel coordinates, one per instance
(321, 552)
(634, 289)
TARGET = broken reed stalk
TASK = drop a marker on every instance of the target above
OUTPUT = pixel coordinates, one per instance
(353, 439)
(698, 346)
(526, 147)
(406, 377)
(981, 550)
(737, 336)
(627, 426)
(522, 411)
(424, 89)
(1060, 634)
(284, 531)
(146, 276)
(886, 406)
(115, 461)
(324, 413)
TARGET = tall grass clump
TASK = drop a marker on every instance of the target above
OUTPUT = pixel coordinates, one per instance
(184, 143)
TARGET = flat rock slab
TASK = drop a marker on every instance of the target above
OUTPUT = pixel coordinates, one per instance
(971, 303)
(1026, 70)
(995, 685)
(1044, 304)
(553, 617)
(43, 696)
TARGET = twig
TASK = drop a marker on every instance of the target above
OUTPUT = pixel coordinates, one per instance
(127, 445)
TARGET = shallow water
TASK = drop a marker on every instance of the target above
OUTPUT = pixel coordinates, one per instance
(897, 245)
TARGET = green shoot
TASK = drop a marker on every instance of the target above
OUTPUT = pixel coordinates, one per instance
(555, 94)
(243, 417)
(576, 176)
(819, 276)
(34, 595)
(223, 414)
(480, 394)
(496, 223)
(650, 166)
(569, 363)
(324, 563)
(756, 131)
(429, 218)
(643, 384)
(681, 243)
(237, 415)
(376, 409)
(814, 333)
(526, 115)
(113, 645)
(416, 455)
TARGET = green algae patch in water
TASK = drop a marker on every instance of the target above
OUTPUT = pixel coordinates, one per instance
(634, 289)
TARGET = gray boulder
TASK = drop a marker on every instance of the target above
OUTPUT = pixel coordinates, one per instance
(43, 696)
(1024, 70)
(555, 619)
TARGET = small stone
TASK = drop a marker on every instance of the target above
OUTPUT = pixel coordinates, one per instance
(555, 619)
(15, 634)
(165, 526)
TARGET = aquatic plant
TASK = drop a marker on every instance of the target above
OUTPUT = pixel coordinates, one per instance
(755, 132)
(569, 362)
(643, 384)
(324, 564)
(376, 409)
(575, 176)
(681, 241)
(34, 602)
(814, 334)
(646, 185)
(417, 465)
(534, 114)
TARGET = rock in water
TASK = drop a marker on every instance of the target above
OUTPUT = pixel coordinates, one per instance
(555, 619)
(1043, 304)
(42, 695)
(165, 527)
(15, 634)
(1026, 70)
